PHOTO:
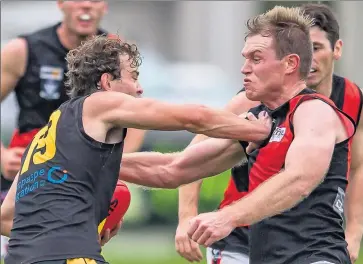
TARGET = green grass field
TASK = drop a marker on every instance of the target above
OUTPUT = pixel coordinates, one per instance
(149, 247)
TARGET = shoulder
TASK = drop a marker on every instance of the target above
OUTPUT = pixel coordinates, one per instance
(240, 103)
(101, 104)
(46, 31)
(314, 112)
(14, 55)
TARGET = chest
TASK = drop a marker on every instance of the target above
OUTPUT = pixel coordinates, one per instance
(267, 161)
(45, 75)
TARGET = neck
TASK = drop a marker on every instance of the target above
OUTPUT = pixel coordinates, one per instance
(285, 94)
(326, 86)
(69, 39)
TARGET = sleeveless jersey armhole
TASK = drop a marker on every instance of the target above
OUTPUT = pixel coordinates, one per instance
(348, 122)
(82, 132)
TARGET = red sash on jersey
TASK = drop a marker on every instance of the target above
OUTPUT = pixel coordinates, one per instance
(351, 107)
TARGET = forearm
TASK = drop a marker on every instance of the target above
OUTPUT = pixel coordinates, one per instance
(231, 126)
(189, 200)
(147, 169)
(189, 194)
(6, 226)
(354, 204)
(274, 196)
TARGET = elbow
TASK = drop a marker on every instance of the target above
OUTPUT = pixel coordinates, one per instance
(169, 178)
(304, 187)
(303, 192)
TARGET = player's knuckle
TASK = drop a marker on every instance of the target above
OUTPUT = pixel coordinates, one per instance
(204, 225)
(209, 230)
(194, 246)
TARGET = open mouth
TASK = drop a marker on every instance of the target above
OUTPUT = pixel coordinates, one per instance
(85, 17)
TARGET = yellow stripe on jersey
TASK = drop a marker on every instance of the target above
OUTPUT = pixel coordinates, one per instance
(81, 261)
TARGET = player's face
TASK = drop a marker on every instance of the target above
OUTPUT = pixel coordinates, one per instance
(263, 72)
(82, 17)
(128, 83)
(323, 57)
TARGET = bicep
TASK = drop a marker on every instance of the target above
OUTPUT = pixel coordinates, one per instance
(208, 158)
(357, 147)
(13, 62)
(310, 152)
(122, 110)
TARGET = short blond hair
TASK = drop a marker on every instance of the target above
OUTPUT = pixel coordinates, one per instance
(289, 27)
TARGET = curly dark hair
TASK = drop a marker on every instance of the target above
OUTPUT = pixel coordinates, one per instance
(325, 19)
(98, 55)
(289, 28)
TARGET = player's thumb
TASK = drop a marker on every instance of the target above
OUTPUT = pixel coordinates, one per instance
(251, 116)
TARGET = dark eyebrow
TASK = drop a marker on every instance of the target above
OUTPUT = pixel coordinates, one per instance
(318, 43)
(253, 52)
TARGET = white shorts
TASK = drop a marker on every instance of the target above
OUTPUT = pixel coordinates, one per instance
(216, 256)
(4, 246)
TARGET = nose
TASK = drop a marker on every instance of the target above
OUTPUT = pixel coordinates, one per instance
(139, 90)
(246, 68)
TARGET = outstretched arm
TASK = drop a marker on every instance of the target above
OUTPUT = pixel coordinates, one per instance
(121, 110)
(207, 158)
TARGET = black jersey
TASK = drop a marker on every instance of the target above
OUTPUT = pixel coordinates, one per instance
(41, 89)
(66, 182)
(347, 97)
(313, 230)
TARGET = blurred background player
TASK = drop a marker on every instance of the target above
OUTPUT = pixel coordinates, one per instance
(34, 66)
(345, 94)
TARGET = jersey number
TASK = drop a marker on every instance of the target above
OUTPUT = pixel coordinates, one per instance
(43, 147)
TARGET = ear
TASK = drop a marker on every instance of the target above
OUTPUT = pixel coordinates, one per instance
(292, 63)
(338, 48)
(105, 81)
